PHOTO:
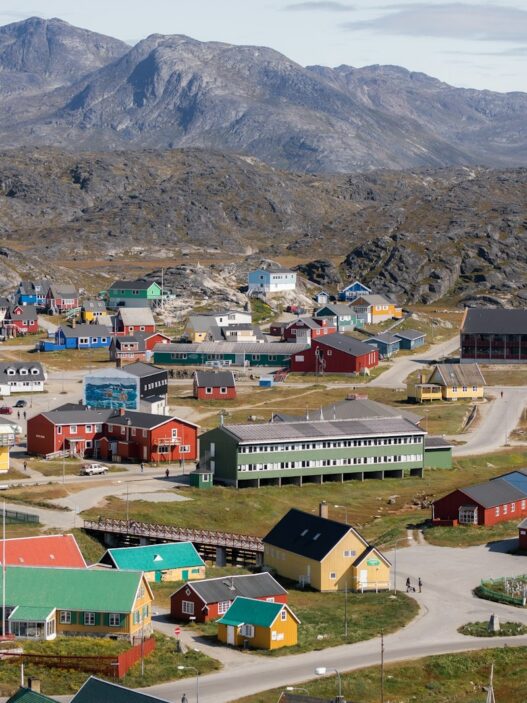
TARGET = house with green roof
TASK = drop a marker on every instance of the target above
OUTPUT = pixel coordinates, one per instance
(258, 624)
(42, 603)
(95, 690)
(29, 695)
(173, 561)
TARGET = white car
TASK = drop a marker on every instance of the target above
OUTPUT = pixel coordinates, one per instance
(92, 469)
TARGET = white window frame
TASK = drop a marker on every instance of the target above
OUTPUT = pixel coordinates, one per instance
(223, 606)
(187, 607)
(333, 575)
(89, 619)
(114, 619)
(247, 630)
(65, 617)
(283, 615)
(73, 429)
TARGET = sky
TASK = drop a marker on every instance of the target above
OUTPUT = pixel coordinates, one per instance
(470, 43)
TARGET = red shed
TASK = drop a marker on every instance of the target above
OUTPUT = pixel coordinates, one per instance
(336, 353)
(131, 320)
(209, 599)
(485, 503)
(214, 385)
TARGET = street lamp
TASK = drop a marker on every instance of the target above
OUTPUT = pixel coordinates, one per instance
(181, 667)
(322, 671)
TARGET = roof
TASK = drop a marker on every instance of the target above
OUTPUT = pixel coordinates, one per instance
(273, 269)
(354, 409)
(437, 443)
(27, 312)
(26, 695)
(518, 479)
(85, 330)
(337, 309)
(287, 348)
(142, 370)
(76, 414)
(308, 535)
(343, 343)
(321, 429)
(146, 421)
(94, 305)
(62, 289)
(45, 550)
(495, 492)
(132, 285)
(225, 588)
(523, 524)
(214, 379)
(98, 590)
(385, 338)
(367, 553)
(259, 613)
(372, 299)
(30, 612)
(95, 690)
(410, 334)
(460, 374)
(19, 365)
(156, 557)
(495, 321)
(136, 316)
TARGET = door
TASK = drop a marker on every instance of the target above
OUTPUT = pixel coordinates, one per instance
(145, 453)
(230, 634)
(184, 574)
(363, 578)
(157, 576)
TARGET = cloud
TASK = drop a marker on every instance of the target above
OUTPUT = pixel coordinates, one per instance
(453, 20)
(322, 6)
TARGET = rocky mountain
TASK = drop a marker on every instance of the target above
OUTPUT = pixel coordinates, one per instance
(424, 235)
(174, 91)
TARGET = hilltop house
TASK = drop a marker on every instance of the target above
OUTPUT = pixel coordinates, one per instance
(93, 310)
(342, 315)
(354, 290)
(32, 293)
(61, 297)
(372, 309)
(272, 280)
(20, 320)
(304, 329)
(324, 554)
(131, 320)
(171, 561)
(120, 292)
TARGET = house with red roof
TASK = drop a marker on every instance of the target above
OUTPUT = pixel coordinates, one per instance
(60, 551)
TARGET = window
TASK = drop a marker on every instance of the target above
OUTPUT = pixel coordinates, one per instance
(88, 428)
(84, 340)
(474, 388)
(185, 449)
(283, 614)
(145, 433)
(174, 433)
(505, 507)
(247, 631)
(65, 617)
(223, 606)
(89, 444)
(114, 619)
(23, 372)
(497, 512)
(187, 607)
(468, 515)
(332, 575)
(123, 430)
(464, 389)
(223, 391)
(73, 429)
(513, 507)
(59, 429)
(454, 389)
(208, 391)
(350, 553)
(89, 618)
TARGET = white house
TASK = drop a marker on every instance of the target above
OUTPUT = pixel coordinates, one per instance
(22, 377)
(272, 280)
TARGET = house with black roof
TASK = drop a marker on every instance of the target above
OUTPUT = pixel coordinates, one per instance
(209, 599)
(324, 554)
(214, 385)
(335, 353)
(494, 335)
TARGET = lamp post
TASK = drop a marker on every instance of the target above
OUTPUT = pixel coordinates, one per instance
(401, 539)
(322, 671)
(181, 667)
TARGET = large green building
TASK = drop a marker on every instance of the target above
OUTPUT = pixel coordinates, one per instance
(134, 290)
(275, 354)
(281, 453)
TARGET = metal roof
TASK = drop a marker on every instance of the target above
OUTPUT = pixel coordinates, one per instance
(518, 479)
(224, 588)
(338, 310)
(136, 316)
(372, 299)
(26, 695)
(86, 330)
(94, 305)
(324, 429)
(353, 409)
(76, 414)
(27, 312)
(308, 535)
(344, 343)
(146, 421)
(410, 334)
(437, 443)
(495, 321)
(155, 557)
(460, 374)
(95, 690)
(132, 285)
(17, 366)
(214, 379)
(259, 613)
(235, 347)
(494, 492)
(142, 370)
(385, 337)
(44, 550)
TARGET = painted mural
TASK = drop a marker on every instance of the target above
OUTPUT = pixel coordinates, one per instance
(111, 393)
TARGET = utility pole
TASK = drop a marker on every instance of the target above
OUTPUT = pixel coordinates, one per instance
(490, 690)
(3, 572)
(382, 666)
(346, 610)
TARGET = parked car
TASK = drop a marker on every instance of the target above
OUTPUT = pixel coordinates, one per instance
(6, 410)
(21, 403)
(93, 469)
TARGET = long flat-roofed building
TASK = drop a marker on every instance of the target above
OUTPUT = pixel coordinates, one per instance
(495, 335)
(281, 453)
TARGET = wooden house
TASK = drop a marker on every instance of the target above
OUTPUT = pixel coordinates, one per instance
(410, 339)
(450, 382)
(214, 385)
(20, 320)
(372, 309)
(354, 290)
(336, 353)
(170, 561)
(388, 344)
(258, 624)
(56, 551)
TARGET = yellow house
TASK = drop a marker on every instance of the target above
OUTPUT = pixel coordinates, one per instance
(372, 309)
(8, 432)
(451, 382)
(324, 554)
(93, 310)
(262, 624)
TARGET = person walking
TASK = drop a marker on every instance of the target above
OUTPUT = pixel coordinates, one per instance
(25, 465)
(18, 414)
(420, 584)
(142, 466)
(502, 394)
(167, 473)
(184, 698)
(408, 585)
(25, 415)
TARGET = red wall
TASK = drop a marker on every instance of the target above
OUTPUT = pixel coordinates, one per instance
(215, 395)
(447, 508)
(336, 362)
(202, 612)
(40, 436)
(132, 447)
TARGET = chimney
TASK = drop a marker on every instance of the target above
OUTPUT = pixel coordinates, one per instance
(73, 323)
(323, 510)
(122, 411)
(33, 684)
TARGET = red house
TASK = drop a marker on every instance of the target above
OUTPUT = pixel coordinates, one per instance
(209, 599)
(306, 328)
(336, 353)
(136, 436)
(61, 297)
(135, 347)
(500, 499)
(71, 427)
(131, 320)
(20, 320)
(214, 385)
(58, 551)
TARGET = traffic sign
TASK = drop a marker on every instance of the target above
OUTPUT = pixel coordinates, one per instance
(177, 631)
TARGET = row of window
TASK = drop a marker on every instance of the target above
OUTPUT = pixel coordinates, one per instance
(209, 391)
(114, 619)
(319, 463)
(154, 384)
(506, 508)
(464, 389)
(220, 357)
(73, 429)
(22, 372)
(340, 444)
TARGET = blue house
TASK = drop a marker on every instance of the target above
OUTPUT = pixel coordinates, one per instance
(79, 337)
(32, 293)
(387, 344)
(410, 339)
(354, 290)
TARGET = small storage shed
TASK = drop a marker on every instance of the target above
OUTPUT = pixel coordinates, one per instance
(173, 561)
(258, 624)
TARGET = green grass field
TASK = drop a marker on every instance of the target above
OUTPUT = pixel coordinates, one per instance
(470, 535)
(453, 678)
(481, 629)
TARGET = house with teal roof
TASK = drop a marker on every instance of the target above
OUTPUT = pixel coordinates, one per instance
(28, 695)
(258, 624)
(173, 561)
(43, 602)
(96, 690)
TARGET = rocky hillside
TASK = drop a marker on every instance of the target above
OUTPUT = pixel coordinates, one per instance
(421, 235)
(84, 91)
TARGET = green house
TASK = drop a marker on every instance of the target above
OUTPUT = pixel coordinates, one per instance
(172, 561)
(201, 478)
(275, 354)
(134, 290)
(344, 316)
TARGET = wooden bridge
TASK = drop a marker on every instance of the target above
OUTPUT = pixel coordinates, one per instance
(220, 547)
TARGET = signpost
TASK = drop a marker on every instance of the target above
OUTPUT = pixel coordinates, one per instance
(177, 631)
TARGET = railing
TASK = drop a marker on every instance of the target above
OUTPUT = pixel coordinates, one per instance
(14, 516)
(178, 534)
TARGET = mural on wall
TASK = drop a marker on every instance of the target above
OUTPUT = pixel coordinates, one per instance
(105, 392)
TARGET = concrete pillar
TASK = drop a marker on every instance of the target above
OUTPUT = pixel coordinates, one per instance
(221, 559)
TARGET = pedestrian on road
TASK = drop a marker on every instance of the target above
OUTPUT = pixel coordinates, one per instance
(420, 584)
(25, 465)
(142, 466)
(408, 585)
(184, 698)
(167, 473)
(18, 414)
(24, 414)
(502, 394)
